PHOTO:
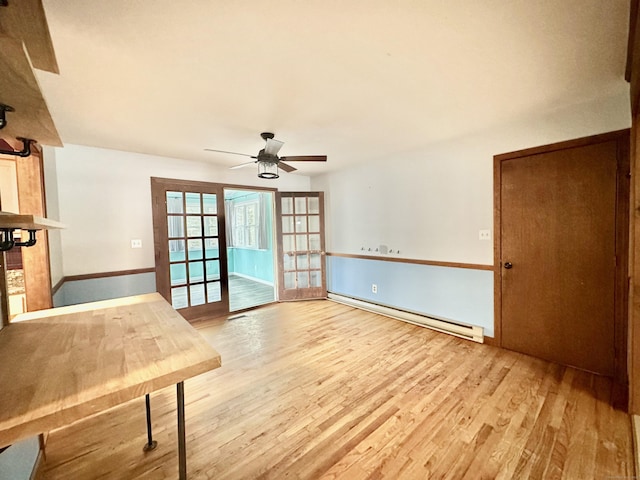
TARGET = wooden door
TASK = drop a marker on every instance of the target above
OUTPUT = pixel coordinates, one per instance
(301, 251)
(561, 227)
(190, 247)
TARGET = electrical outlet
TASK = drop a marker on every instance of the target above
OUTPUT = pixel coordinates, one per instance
(484, 234)
(374, 288)
(136, 243)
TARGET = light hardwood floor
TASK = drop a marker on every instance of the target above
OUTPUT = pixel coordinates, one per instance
(246, 293)
(315, 389)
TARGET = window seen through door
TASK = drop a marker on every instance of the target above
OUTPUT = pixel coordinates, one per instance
(245, 225)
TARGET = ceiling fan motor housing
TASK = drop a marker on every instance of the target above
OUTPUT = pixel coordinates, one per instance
(267, 158)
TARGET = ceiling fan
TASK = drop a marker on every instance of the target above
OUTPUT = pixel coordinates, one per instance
(268, 160)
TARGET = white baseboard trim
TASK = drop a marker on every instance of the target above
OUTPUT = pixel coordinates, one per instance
(468, 332)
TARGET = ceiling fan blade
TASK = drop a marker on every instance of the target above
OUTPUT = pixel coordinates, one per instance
(285, 167)
(232, 153)
(306, 158)
(242, 165)
(273, 146)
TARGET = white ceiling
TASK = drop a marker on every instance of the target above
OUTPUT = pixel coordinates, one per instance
(355, 80)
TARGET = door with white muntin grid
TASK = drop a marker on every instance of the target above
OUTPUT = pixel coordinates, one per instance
(301, 245)
(190, 246)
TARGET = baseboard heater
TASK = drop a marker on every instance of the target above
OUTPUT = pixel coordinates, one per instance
(461, 330)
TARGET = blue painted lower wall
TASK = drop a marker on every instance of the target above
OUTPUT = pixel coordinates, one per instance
(104, 288)
(257, 264)
(18, 461)
(459, 294)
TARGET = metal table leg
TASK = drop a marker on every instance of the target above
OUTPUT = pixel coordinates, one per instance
(151, 443)
(182, 443)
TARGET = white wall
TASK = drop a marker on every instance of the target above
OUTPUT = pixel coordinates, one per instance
(104, 199)
(430, 204)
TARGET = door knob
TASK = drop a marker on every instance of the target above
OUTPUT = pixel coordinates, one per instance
(508, 265)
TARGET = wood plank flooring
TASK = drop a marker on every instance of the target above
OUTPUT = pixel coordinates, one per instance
(247, 293)
(319, 390)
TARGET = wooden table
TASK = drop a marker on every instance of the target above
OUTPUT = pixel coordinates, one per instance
(63, 364)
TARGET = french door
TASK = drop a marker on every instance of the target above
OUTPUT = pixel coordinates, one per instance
(189, 243)
(190, 246)
(301, 248)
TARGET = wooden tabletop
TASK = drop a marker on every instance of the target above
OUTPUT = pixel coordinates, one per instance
(62, 364)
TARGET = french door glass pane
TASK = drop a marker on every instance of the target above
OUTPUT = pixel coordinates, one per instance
(196, 272)
(193, 202)
(176, 250)
(314, 223)
(314, 260)
(287, 243)
(194, 226)
(316, 278)
(314, 241)
(287, 205)
(301, 243)
(195, 249)
(210, 204)
(213, 270)
(314, 205)
(179, 297)
(211, 226)
(290, 280)
(303, 279)
(174, 202)
(301, 205)
(303, 262)
(213, 292)
(301, 224)
(288, 261)
(197, 294)
(178, 273)
(287, 224)
(211, 248)
(175, 226)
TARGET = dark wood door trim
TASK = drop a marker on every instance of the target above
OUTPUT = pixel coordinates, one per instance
(35, 260)
(622, 138)
(552, 147)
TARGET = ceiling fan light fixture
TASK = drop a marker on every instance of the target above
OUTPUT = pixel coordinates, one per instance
(268, 170)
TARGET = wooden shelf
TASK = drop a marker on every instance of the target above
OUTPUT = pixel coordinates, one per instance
(19, 88)
(27, 222)
(25, 20)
